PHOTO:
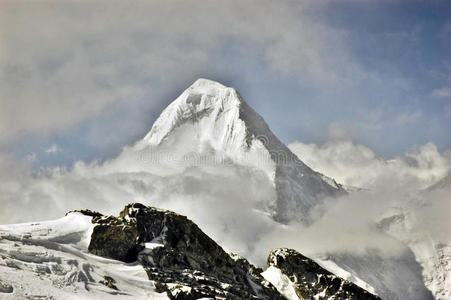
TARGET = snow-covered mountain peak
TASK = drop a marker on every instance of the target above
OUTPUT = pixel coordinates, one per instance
(204, 98)
(210, 122)
(207, 86)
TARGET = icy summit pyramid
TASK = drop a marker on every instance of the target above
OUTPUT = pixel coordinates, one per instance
(211, 123)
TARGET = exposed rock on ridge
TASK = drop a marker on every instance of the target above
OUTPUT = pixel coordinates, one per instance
(187, 264)
(177, 255)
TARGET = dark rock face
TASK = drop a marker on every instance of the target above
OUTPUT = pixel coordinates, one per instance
(114, 238)
(182, 260)
(311, 281)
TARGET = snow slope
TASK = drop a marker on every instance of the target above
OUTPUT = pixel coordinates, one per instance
(50, 260)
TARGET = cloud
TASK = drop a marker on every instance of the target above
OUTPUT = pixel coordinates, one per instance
(70, 71)
(54, 148)
(357, 165)
(231, 203)
(227, 200)
(218, 198)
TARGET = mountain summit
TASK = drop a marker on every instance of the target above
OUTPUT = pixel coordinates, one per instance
(210, 120)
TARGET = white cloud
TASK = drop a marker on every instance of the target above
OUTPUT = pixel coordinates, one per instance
(54, 148)
(218, 198)
(230, 204)
(357, 165)
(227, 200)
(68, 71)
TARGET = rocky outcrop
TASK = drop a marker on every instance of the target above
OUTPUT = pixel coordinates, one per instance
(177, 255)
(185, 263)
(115, 238)
(311, 281)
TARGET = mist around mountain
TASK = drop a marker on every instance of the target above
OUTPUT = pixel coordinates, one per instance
(213, 158)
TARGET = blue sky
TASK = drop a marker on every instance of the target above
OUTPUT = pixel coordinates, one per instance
(79, 81)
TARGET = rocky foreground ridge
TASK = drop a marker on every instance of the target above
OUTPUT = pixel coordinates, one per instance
(185, 263)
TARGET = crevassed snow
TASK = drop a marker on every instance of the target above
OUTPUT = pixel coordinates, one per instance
(50, 259)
